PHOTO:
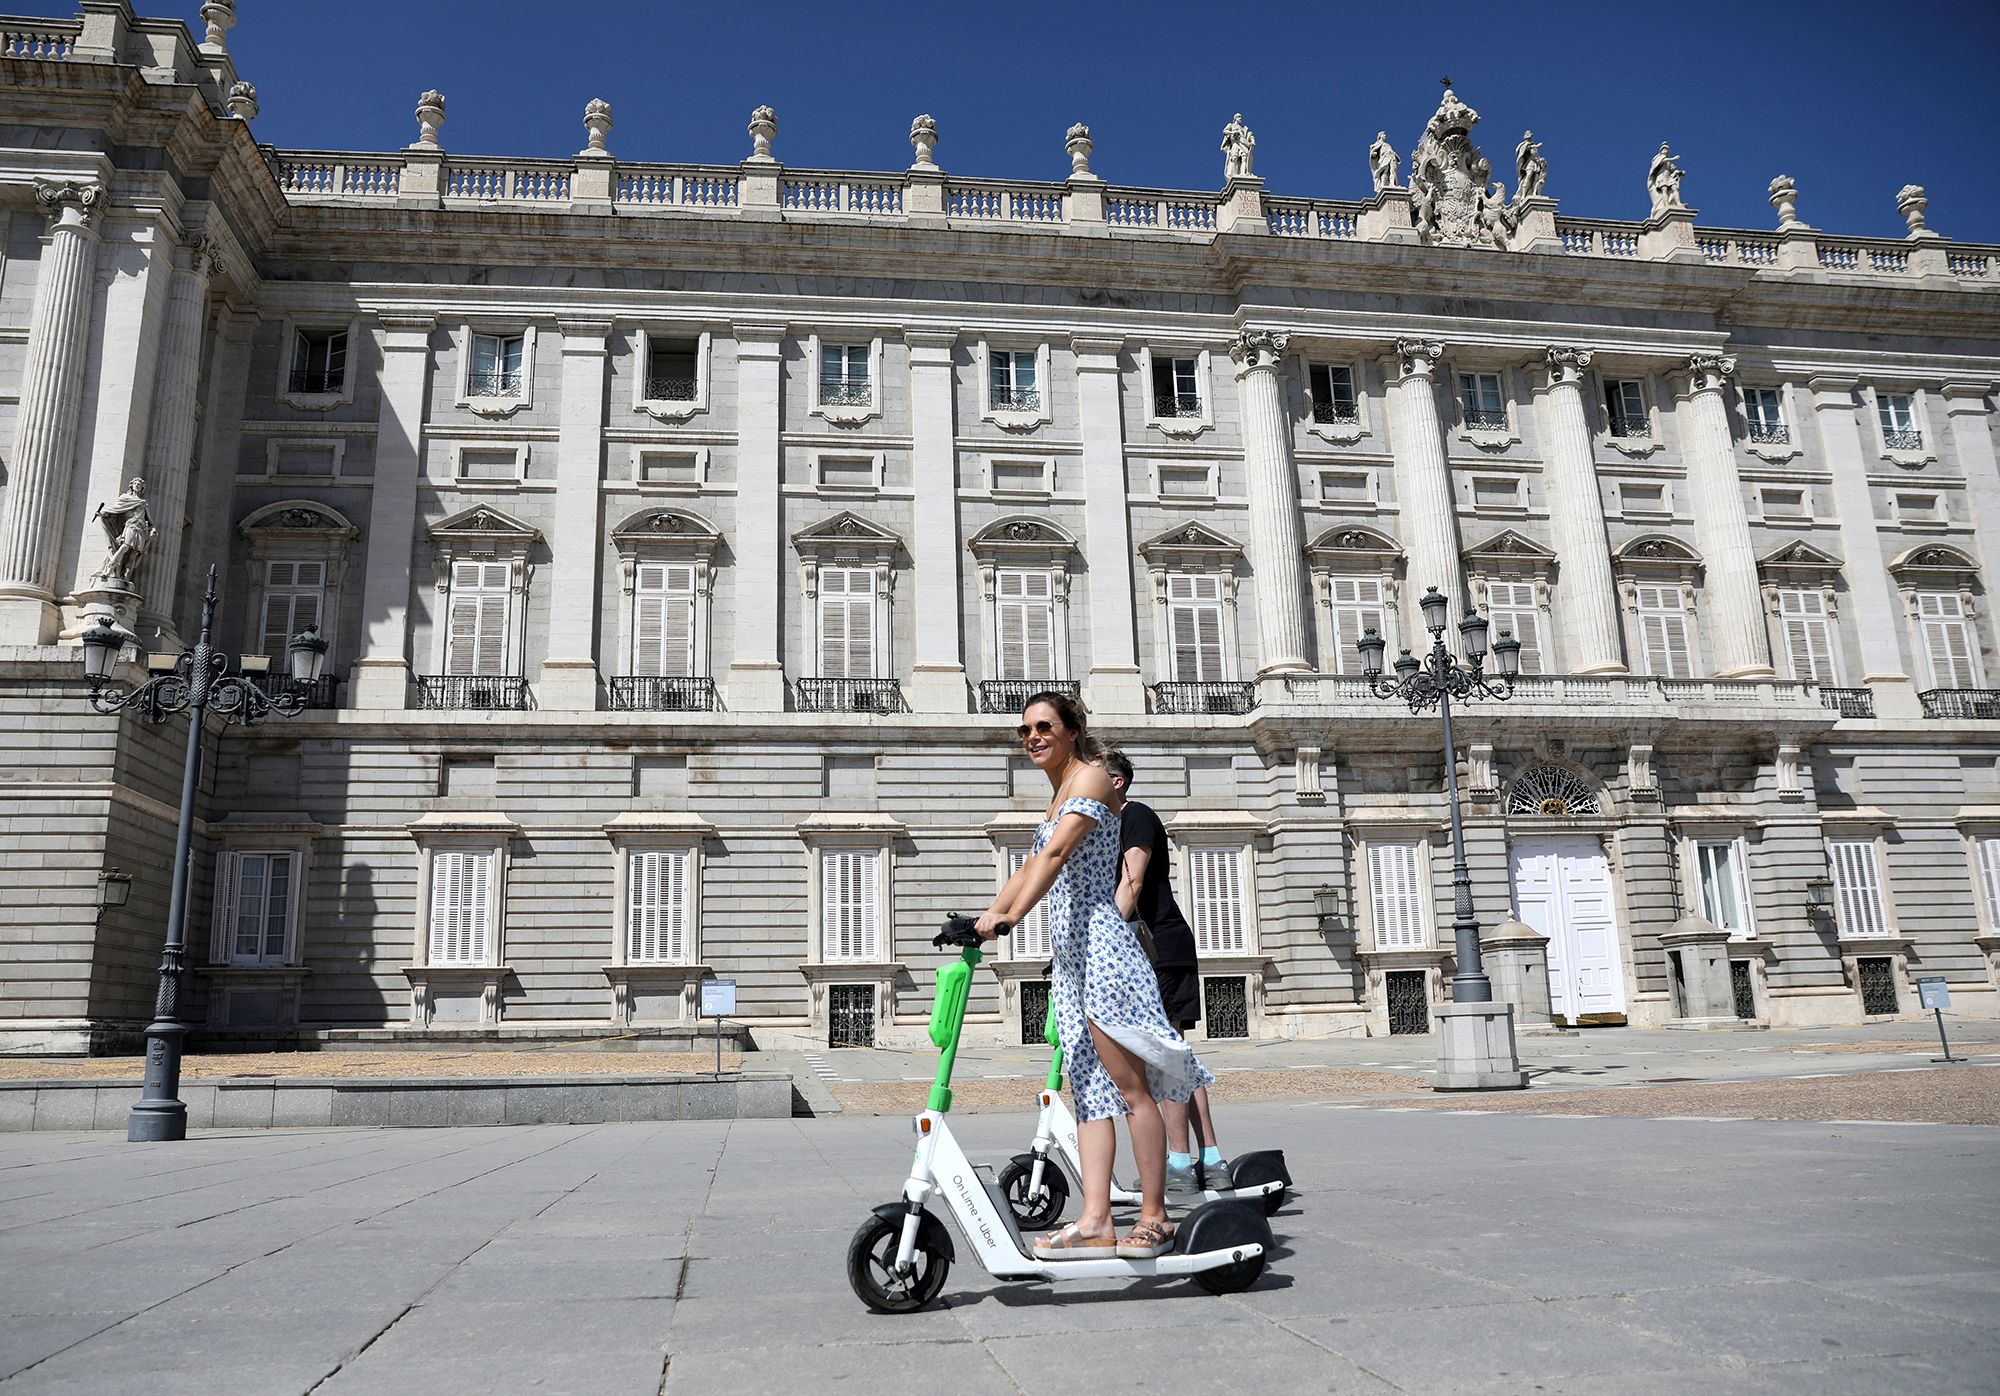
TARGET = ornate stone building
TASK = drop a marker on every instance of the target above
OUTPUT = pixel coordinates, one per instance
(686, 538)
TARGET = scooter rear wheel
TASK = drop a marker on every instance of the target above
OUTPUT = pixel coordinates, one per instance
(1222, 1225)
(1032, 1212)
(871, 1269)
(1253, 1170)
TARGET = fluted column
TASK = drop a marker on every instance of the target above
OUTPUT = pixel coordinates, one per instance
(31, 525)
(1737, 645)
(1114, 685)
(1423, 486)
(1277, 533)
(937, 672)
(1586, 592)
(569, 672)
(757, 672)
(382, 674)
(170, 438)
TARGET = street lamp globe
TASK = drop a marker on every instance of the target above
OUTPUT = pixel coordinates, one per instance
(1507, 654)
(101, 643)
(1406, 667)
(1371, 644)
(306, 655)
(1434, 607)
(1472, 631)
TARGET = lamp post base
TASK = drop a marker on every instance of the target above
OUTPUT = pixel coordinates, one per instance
(159, 1116)
(1476, 1048)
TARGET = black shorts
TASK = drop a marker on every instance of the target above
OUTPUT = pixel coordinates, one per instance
(1180, 994)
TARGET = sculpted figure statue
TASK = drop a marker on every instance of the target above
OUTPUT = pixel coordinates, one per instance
(1237, 145)
(128, 532)
(1383, 162)
(1531, 171)
(1663, 181)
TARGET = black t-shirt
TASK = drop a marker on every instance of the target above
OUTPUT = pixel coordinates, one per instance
(1173, 938)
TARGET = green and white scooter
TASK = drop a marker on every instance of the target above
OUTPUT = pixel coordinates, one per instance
(1037, 1186)
(901, 1255)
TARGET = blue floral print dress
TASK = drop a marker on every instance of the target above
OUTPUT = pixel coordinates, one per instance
(1102, 974)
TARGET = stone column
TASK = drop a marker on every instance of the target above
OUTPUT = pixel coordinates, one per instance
(31, 527)
(1423, 488)
(170, 442)
(1114, 684)
(1879, 622)
(1972, 437)
(1277, 532)
(382, 674)
(1737, 645)
(757, 674)
(937, 673)
(1586, 591)
(569, 673)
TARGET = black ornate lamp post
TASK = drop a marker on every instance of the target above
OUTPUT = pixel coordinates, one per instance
(199, 683)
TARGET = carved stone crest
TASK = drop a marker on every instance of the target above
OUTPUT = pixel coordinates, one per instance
(1454, 198)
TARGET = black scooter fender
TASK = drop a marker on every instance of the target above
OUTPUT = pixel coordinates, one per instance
(1260, 1166)
(930, 1231)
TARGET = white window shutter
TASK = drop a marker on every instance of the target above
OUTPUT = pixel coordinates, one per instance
(847, 623)
(1031, 937)
(461, 906)
(1194, 614)
(1663, 630)
(850, 905)
(1511, 607)
(1216, 875)
(1858, 888)
(1025, 602)
(1396, 895)
(1357, 607)
(1808, 636)
(1986, 853)
(658, 906)
(1947, 640)
(477, 620)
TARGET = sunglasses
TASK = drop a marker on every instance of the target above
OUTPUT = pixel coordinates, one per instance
(1044, 728)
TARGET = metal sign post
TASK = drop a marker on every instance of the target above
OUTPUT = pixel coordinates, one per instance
(718, 998)
(1932, 994)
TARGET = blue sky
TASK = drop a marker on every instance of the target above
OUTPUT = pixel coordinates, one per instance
(1852, 100)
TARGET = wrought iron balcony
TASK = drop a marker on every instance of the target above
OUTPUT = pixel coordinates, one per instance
(1632, 427)
(1017, 399)
(850, 696)
(1906, 440)
(662, 389)
(1219, 699)
(1011, 695)
(660, 694)
(1177, 404)
(1486, 418)
(476, 692)
(1770, 434)
(322, 692)
(1336, 414)
(318, 380)
(493, 384)
(1961, 702)
(1849, 702)
(838, 392)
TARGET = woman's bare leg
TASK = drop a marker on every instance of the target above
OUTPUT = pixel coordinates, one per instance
(1149, 1132)
(1097, 1142)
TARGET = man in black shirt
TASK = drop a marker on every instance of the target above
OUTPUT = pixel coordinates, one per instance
(1146, 894)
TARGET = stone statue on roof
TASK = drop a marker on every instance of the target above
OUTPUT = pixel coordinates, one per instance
(1238, 144)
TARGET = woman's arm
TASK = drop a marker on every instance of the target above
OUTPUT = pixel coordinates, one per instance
(1027, 887)
(1131, 877)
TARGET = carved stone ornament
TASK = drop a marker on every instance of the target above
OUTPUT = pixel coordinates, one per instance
(303, 521)
(430, 116)
(1418, 357)
(1079, 146)
(128, 533)
(763, 130)
(220, 17)
(1663, 181)
(1239, 147)
(597, 124)
(1784, 193)
(1707, 372)
(1566, 365)
(1259, 348)
(242, 101)
(1454, 199)
(924, 139)
(1531, 171)
(1911, 203)
(1026, 531)
(53, 196)
(1383, 162)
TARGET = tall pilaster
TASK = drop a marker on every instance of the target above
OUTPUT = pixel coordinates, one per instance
(170, 438)
(1971, 430)
(1277, 532)
(31, 525)
(1423, 486)
(1879, 623)
(1114, 685)
(569, 673)
(1586, 591)
(1737, 645)
(937, 673)
(757, 674)
(382, 674)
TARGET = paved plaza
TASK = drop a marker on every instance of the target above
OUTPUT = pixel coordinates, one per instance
(1428, 1250)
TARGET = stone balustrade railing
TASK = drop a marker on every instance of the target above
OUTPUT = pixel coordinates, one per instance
(49, 39)
(1570, 691)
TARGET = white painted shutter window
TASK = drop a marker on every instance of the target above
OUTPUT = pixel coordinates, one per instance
(1808, 635)
(294, 595)
(1194, 620)
(481, 597)
(259, 897)
(1357, 606)
(1396, 894)
(1027, 624)
(461, 907)
(1947, 640)
(1663, 631)
(1857, 887)
(657, 902)
(1215, 879)
(1511, 607)
(850, 905)
(663, 603)
(1986, 855)
(1725, 886)
(1897, 411)
(846, 623)
(1031, 937)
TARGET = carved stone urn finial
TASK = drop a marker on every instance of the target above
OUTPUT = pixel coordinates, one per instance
(597, 122)
(1911, 202)
(242, 101)
(430, 116)
(763, 130)
(1785, 199)
(1079, 147)
(220, 17)
(924, 139)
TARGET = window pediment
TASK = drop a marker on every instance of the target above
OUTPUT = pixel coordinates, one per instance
(1934, 564)
(1508, 548)
(300, 520)
(483, 528)
(666, 532)
(1192, 545)
(1798, 560)
(1659, 548)
(1023, 541)
(1354, 546)
(847, 537)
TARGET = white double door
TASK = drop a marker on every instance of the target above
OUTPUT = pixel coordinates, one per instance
(1562, 887)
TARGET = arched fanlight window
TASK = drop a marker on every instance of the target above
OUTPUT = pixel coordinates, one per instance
(1552, 791)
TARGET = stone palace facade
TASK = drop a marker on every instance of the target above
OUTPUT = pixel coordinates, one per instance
(686, 538)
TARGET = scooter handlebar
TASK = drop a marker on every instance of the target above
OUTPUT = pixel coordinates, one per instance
(962, 930)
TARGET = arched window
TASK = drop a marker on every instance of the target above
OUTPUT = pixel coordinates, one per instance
(1552, 791)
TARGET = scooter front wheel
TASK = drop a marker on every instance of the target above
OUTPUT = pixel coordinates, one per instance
(871, 1269)
(1034, 1212)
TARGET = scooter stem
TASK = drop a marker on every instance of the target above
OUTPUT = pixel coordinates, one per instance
(1055, 1071)
(948, 1023)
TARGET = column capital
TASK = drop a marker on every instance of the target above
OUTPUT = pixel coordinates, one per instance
(583, 335)
(1258, 349)
(1707, 372)
(1418, 358)
(1566, 364)
(1965, 397)
(931, 338)
(1096, 353)
(69, 202)
(204, 257)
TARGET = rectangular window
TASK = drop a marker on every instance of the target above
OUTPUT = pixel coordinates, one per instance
(1725, 885)
(1333, 398)
(1479, 398)
(1031, 937)
(294, 599)
(1897, 411)
(1176, 387)
(843, 375)
(1357, 607)
(1215, 884)
(1026, 620)
(1194, 627)
(846, 623)
(496, 366)
(1986, 859)
(1663, 631)
(1396, 896)
(1010, 381)
(658, 899)
(260, 894)
(673, 369)
(1625, 407)
(1947, 640)
(1642, 499)
(461, 906)
(1511, 607)
(481, 602)
(1808, 635)
(1765, 409)
(319, 361)
(1857, 888)
(663, 613)
(850, 904)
